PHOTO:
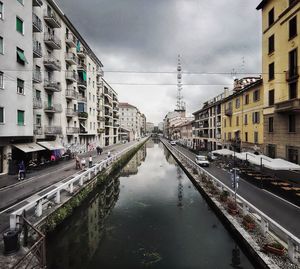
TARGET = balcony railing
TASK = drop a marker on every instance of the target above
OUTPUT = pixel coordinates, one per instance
(52, 41)
(82, 98)
(100, 72)
(51, 85)
(292, 105)
(70, 112)
(52, 63)
(218, 123)
(83, 115)
(52, 19)
(108, 123)
(100, 118)
(228, 111)
(37, 49)
(205, 135)
(37, 76)
(37, 103)
(71, 40)
(292, 74)
(100, 130)
(72, 130)
(218, 136)
(71, 58)
(53, 130)
(81, 52)
(37, 3)
(71, 76)
(52, 108)
(81, 66)
(37, 25)
(37, 129)
(81, 83)
(71, 94)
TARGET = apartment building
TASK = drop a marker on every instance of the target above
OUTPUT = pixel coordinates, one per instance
(111, 114)
(149, 127)
(280, 65)
(242, 116)
(16, 119)
(130, 119)
(171, 119)
(143, 124)
(207, 125)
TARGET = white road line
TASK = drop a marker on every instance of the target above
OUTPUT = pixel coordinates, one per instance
(282, 199)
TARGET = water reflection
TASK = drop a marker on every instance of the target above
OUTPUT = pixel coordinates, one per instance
(131, 167)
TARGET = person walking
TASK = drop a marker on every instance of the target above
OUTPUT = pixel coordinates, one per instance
(108, 154)
(98, 150)
(83, 163)
(77, 162)
(90, 161)
(21, 174)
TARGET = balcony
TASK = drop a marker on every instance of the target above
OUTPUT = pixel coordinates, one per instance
(81, 52)
(71, 40)
(72, 130)
(37, 26)
(218, 136)
(37, 129)
(82, 98)
(36, 76)
(100, 130)
(292, 74)
(228, 111)
(107, 93)
(81, 83)
(37, 3)
(108, 123)
(100, 72)
(52, 19)
(83, 115)
(37, 103)
(52, 108)
(99, 83)
(71, 94)
(218, 124)
(71, 76)
(116, 124)
(52, 63)
(52, 86)
(37, 49)
(292, 105)
(81, 66)
(53, 130)
(205, 135)
(70, 112)
(52, 41)
(71, 58)
(100, 118)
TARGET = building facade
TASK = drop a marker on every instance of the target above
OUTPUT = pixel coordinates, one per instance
(149, 127)
(280, 65)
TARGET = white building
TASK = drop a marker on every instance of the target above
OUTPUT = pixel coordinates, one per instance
(149, 127)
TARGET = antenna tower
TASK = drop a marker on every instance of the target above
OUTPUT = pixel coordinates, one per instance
(180, 104)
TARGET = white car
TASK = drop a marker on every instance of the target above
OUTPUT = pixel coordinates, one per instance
(173, 143)
(202, 160)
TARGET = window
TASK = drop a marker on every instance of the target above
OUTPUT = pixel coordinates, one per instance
(38, 120)
(271, 44)
(271, 124)
(271, 97)
(21, 117)
(256, 137)
(255, 117)
(293, 27)
(21, 1)
(224, 122)
(1, 81)
(20, 86)
(1, 45)
(19, 25)
(271, 151)
(237, 121)
(246, 119)
(229, 136)
(246, 136)
(271, 17)
(292, 155)
(246, 99)
(293, 64)
(256, 96)
(1, 115)
(292, 123)
(1, 10)
(293, 90)
(237, 102)
(271, 71)
(21, 59)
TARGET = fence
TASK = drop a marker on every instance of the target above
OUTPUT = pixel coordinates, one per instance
(268, 225)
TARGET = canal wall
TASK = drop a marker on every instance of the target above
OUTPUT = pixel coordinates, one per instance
(57, 214)
(242, 236)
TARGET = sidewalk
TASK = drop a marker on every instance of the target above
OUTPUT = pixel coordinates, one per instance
(8, 180)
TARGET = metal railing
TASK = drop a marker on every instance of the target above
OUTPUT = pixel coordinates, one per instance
(37, 23)
(52, 38)
(267, 224)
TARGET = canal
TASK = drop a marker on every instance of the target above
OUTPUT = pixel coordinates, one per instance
(149, 217)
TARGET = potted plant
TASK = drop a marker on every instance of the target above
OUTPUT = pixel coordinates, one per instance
(232, 207)
(248, 222)
(275, 248)
(224, 196)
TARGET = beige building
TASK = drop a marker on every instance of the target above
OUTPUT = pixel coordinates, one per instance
(280, 65)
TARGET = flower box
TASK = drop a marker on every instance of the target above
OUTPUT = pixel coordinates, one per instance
(274, 248)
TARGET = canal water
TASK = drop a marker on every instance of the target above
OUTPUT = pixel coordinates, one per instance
(149, 217)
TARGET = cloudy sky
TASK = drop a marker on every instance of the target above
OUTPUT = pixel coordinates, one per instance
(138, 42)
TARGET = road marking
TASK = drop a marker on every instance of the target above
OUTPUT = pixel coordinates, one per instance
(282, 199)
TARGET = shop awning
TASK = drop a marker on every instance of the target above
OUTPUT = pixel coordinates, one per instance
(51, 145)
(223, 152)
(28, 147)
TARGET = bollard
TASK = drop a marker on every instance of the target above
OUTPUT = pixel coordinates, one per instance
(71, 187)
(39, 209)
(12, 221)
(81, 181)
(57, 197)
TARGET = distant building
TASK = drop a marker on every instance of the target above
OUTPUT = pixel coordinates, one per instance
(149, 127)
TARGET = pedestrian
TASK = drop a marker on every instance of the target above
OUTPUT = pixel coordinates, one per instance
(21, 174)
(98, 150)
(77, 162)
(83, 163)
(108, 154)
(90, 161)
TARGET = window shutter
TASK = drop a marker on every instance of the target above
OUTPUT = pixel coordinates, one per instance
(19, 24)
(20, 117)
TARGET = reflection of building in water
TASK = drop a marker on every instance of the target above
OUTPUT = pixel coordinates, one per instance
(150, 143)
(98, 211)
(169, 156)
(180, 187)
(131, 167)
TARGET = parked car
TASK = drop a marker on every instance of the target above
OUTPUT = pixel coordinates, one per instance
(202, 160)
(211, 156)
(173, 143)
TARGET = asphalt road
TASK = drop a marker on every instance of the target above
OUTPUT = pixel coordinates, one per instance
(283, 212)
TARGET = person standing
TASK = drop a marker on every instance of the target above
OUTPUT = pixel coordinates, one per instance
(98, 150)
(77, 162)
(83, 163)
(21, 175)
(90, 161)
(108, 154)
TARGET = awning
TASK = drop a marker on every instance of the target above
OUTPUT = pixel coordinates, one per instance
(223, 152)
(28, 147)
(51, 145)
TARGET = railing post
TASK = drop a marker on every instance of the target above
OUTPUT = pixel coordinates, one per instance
(90, 175)
(39, 209)
(245, 209)
(57, 197)
(264, 224)
(13, 221)
(292, 251)
(81, 181)
(71, 186)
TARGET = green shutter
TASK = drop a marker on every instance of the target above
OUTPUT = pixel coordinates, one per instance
(78, 46)
(1, 115)
(19, 25)
(21, 56)
(49, 100)
(84, 75)
(20, 117)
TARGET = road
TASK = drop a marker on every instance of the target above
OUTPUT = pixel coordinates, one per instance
(283, 212)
